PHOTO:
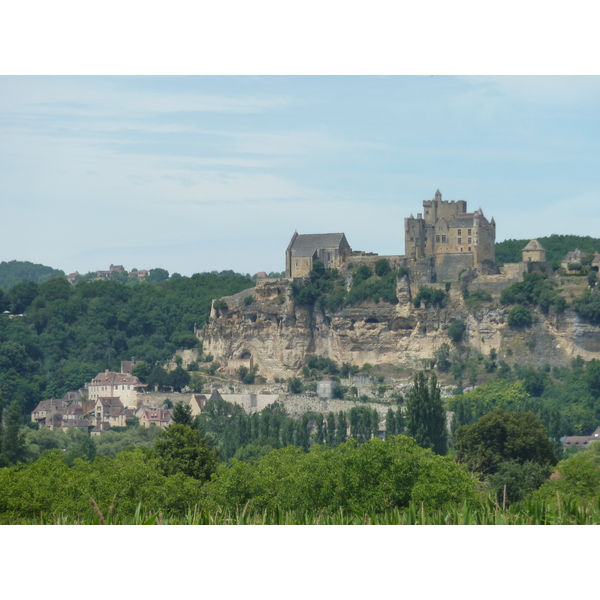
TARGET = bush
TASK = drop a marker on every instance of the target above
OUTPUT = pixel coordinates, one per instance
(456, 331)
(519, 316)
(382, 267)
(430, 297)
(295, 385)
(248, 300)
(220, 305)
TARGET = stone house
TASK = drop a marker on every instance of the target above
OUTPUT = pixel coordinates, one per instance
(332, 249)
(456, 238)
(573, 258)
(106, 407)
(158, 418)
(119, 385)
(44, 412)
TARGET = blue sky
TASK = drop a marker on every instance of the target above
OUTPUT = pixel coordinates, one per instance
(209, 173)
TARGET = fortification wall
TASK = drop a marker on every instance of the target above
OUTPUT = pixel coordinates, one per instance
(449, 266)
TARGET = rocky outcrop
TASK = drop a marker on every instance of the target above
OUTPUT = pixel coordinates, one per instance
(278, 334)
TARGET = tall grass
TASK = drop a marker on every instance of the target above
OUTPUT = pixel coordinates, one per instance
(531, 512)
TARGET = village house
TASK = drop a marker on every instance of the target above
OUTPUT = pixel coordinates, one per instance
(56, 414)
(573, 258)
(111, 411)
(157, 417)
(580, 441)
(42, 414)
(120, 385)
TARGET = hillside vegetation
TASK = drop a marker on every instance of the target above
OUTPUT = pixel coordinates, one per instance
(18, 271)
(68, 334)
(556, 247)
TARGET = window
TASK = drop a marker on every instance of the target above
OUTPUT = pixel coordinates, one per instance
(443, 239)
(411, 239)
(469, 248)
(459, 241)
(469, 232)
(469, 240)
(437, 239)
(459, 233)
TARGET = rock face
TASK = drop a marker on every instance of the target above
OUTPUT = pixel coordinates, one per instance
(278, 335)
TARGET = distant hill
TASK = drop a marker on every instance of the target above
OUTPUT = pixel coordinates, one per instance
(17, 271)
(556, 247)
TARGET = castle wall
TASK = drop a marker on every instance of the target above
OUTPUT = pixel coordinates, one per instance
(449, 266)
(485, 248)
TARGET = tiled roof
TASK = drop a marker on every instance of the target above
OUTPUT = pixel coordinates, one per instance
(111, 401)
(112, 378)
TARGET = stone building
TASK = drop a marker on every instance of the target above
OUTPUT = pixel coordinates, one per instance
(534, 252)
(119, 385)
(332, 249)
(456, 238)
(573, 258)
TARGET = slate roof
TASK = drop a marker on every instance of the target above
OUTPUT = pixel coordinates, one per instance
(312, 241)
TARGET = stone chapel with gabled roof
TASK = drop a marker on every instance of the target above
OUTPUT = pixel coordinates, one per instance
(330, 248)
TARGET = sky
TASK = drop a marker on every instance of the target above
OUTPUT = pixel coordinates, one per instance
(204, 173)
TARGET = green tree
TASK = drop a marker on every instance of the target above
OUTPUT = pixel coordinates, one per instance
(295, 385)
(500, 436)
(157, 275)
(182, 414)
(13, 440)
(425, 414)
(456, 331)
(519, 316)
(442, 358)
(142, 371)
(182, 449)
(178, 378)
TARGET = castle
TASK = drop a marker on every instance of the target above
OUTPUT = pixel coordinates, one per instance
(448, 235)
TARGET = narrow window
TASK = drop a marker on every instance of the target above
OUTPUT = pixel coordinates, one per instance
(443, 239)
(469, 240)
(460, 232)
(437, 239)
(459, 240)
(469, 232)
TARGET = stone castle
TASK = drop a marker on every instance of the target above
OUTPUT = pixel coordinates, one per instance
(451, 238)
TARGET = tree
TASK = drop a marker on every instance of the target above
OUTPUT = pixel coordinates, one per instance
(500, 436)
(442, 358)
(295, 385)
(519, 316)
(142, 371)
(425, 414)
(456, 331)
(13, 441)
(181, 449)
(158, 377)
(178, 379)
(182, 414)
(157, 275)
(382, 267)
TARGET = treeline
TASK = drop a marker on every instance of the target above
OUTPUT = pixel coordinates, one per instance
(17, 271)
(565, 399)
(68, 334)
(247, 437)
(556, 246)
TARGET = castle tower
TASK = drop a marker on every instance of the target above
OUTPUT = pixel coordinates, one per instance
(534, 252)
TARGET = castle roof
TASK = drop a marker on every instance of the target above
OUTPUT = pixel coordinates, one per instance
(533, 245)
(112, 378)
(306, 244)
(468, 219)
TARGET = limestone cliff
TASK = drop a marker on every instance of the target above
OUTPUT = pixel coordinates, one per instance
(271, 331)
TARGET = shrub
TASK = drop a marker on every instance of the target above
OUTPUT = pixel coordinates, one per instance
(519, 316)
(382, 267)
(248, 300)
(456, 331)
(220, 305)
